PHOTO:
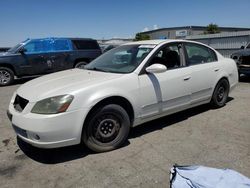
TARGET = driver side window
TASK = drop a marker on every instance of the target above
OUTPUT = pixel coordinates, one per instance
(38, 46)
(169, 56)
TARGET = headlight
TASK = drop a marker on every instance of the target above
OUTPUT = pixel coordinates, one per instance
(53, 105)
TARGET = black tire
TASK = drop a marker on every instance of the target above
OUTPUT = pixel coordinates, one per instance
(6, 76)
(81, 64)
(106, 129)
(220, 94)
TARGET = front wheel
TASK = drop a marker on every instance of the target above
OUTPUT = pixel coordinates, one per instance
(6, 76)
(220, 94)
(107, 128)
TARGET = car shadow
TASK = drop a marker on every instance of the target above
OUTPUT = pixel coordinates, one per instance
(69, 153)
(20, 81)
(53, 156)
(56, 155)
(169, 120)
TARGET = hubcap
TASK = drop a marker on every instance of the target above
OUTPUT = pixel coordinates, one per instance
(220, 94)
(106, 128)
(4, 76)
(81, 66)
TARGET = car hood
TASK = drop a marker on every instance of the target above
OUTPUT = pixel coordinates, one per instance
(4, 53)
(64, 82)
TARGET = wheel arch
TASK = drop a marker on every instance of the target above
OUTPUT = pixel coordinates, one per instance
(219, 79)
(81, 59)
(119, 100)
(6, 65)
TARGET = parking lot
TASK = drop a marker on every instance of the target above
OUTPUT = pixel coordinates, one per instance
(200, 136)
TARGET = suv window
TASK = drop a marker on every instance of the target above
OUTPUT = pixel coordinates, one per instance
(61, 45)
(38, 46)
(85, 44)
(197, 54)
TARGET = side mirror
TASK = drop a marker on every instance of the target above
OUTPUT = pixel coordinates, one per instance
(156, 68)
(22, 50)
(242, 47)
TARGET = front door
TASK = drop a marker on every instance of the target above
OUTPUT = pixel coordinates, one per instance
(37, 57)
(167, 92)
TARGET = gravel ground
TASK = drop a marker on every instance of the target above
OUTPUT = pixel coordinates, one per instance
(199, 136)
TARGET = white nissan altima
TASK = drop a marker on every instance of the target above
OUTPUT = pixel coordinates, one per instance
(127, 86)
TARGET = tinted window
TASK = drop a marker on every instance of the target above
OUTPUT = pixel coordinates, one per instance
(197, 54)
(61, 45)
(85, 44)
(38, 46)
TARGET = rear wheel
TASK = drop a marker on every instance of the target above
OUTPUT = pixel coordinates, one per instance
(80, 65)
(6, 76)
(107, 128)
(220, 94)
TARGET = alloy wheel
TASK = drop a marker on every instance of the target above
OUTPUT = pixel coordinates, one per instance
(4, 76)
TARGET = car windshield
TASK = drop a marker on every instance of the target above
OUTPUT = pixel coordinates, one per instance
(14, 49)
(123, 59)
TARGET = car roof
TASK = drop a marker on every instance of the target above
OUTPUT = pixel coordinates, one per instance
(154, 42)
(54, 38)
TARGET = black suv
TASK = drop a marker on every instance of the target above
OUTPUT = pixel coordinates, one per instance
(242, 58)
(47, 55)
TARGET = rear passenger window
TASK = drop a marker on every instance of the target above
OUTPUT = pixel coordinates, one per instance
(197, 54)
(85, 44)
(61, 45)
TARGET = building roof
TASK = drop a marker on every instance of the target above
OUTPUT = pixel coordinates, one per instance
(197, 28)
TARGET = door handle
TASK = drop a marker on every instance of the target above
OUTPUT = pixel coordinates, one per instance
(186, 78)
(216, 70)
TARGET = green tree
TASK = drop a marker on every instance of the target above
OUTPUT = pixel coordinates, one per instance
(211, 29)
(141, 36)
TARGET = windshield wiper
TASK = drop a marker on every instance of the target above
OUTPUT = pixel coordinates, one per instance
(97, 69)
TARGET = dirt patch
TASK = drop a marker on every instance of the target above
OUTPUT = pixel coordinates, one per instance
(6, 142)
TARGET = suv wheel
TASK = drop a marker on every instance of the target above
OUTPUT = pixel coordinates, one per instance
(80, 65)
(6, 76)
(107, 128)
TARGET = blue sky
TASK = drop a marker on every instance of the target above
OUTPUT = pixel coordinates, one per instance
(21, 19)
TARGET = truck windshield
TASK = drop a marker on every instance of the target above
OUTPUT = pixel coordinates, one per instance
(123, 59)
(14, 49)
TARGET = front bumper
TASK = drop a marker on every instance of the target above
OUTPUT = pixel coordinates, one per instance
(48, 131)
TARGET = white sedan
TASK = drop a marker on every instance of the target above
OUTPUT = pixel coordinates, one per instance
(127, 86)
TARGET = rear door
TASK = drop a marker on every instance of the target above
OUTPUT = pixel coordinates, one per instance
(61, 57)
(204, 68)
